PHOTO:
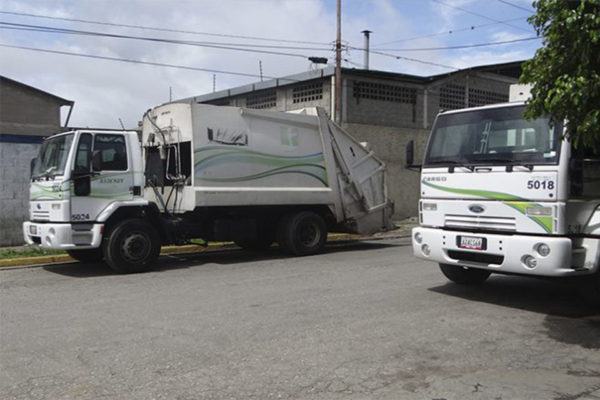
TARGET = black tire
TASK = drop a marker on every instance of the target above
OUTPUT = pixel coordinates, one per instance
(464, 275)
(302, 233)
(87, 255)
(589, 289)
(132, 246)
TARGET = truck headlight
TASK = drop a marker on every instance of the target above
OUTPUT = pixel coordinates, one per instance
(418, 237)
(538, 211)
(426, 249)
(542, 249)
(529, 261)
(429, 206)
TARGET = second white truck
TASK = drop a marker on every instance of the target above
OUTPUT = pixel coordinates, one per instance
(200, 171)
(500, 194)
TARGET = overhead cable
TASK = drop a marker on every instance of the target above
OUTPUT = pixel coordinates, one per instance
(478, 15)
(142, 62)
(86, 21)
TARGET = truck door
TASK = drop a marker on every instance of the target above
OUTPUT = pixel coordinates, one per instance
(113, 183)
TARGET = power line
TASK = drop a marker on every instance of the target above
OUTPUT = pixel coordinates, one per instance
(478, 15)
(397, 57)
(514, 5)
(156, 64)
(216, 45)
(466, 46)
(86, 21)
(447, 32)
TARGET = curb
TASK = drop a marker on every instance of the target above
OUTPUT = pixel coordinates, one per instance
(193, 248)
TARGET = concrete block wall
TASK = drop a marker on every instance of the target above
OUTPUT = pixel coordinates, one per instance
(14, 190)
(380, 112)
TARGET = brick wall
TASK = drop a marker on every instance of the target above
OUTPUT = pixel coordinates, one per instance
(14, 189)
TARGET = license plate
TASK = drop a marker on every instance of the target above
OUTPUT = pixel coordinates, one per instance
(471, 242)
(33, 230)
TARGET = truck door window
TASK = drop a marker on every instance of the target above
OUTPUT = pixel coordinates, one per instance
(113, 151)
(82, 161)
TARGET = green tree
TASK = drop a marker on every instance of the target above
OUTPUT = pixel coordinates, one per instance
(565, 72)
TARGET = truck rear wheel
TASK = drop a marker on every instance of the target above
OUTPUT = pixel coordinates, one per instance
(87, 255)
(132, 246)
(464, 275)
(302, 233)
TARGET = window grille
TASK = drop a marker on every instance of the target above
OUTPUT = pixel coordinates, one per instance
(265, 99)
(452, 97)
(479, 97)
(383, 92)
(308, 92)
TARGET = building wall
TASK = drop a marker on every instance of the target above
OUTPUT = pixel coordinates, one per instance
(26, 115)
(14, 189)
(26, 111)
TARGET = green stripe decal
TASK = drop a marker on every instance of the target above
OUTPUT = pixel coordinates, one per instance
(510, 200)
(312, 165)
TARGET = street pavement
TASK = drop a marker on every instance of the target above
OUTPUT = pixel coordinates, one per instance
(363, 320)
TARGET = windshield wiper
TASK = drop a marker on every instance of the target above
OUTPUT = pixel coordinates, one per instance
(511, 163)
(454, 164)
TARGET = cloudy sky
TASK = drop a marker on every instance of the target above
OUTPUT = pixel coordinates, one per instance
(224, 42)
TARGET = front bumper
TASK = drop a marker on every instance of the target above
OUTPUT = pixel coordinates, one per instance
(503, 254)
(63, 236)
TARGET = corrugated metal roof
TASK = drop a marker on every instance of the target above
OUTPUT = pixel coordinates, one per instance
(509, 69)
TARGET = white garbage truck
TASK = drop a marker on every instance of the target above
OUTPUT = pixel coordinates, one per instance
(200, 171)
(502, 194)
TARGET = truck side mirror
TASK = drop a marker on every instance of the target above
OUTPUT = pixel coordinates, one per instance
(31, 166)
(410, 156)
(97, 161)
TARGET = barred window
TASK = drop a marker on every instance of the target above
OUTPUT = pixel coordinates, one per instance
(383, 92)
(452, 97)
(478, 97)
(308, 92)
(264, 99)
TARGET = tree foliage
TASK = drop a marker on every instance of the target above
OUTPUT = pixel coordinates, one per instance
(565, 72)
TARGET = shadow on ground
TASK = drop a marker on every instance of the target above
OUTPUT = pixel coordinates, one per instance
(220, 257)
(569, 319)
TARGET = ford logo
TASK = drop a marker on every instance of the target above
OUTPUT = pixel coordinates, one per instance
(476, 208)
(39, 207)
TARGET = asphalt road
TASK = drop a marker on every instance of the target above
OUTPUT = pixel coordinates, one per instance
(361, 321)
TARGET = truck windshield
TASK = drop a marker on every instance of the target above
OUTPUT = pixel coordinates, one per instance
(52, 158)
(494, 136)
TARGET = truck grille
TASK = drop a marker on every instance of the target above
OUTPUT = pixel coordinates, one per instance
(481, 222)
(482, 258)
(39, 215)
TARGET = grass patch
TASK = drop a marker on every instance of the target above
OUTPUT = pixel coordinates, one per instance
(26, 251)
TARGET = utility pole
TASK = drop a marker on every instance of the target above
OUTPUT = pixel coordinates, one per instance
(338, 65)
(260, 69)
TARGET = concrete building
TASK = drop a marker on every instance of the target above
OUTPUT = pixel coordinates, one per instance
(27, 115)
(382, 108)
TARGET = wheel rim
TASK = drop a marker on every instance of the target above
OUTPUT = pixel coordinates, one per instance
(135, 247)
(309, 234)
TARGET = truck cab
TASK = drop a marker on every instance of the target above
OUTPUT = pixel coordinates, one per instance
(77, 180)
(502, 194)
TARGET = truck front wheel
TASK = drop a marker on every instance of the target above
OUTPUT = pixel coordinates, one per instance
(464, 275)
(87, 255)
(132, 246)
(302, 233)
